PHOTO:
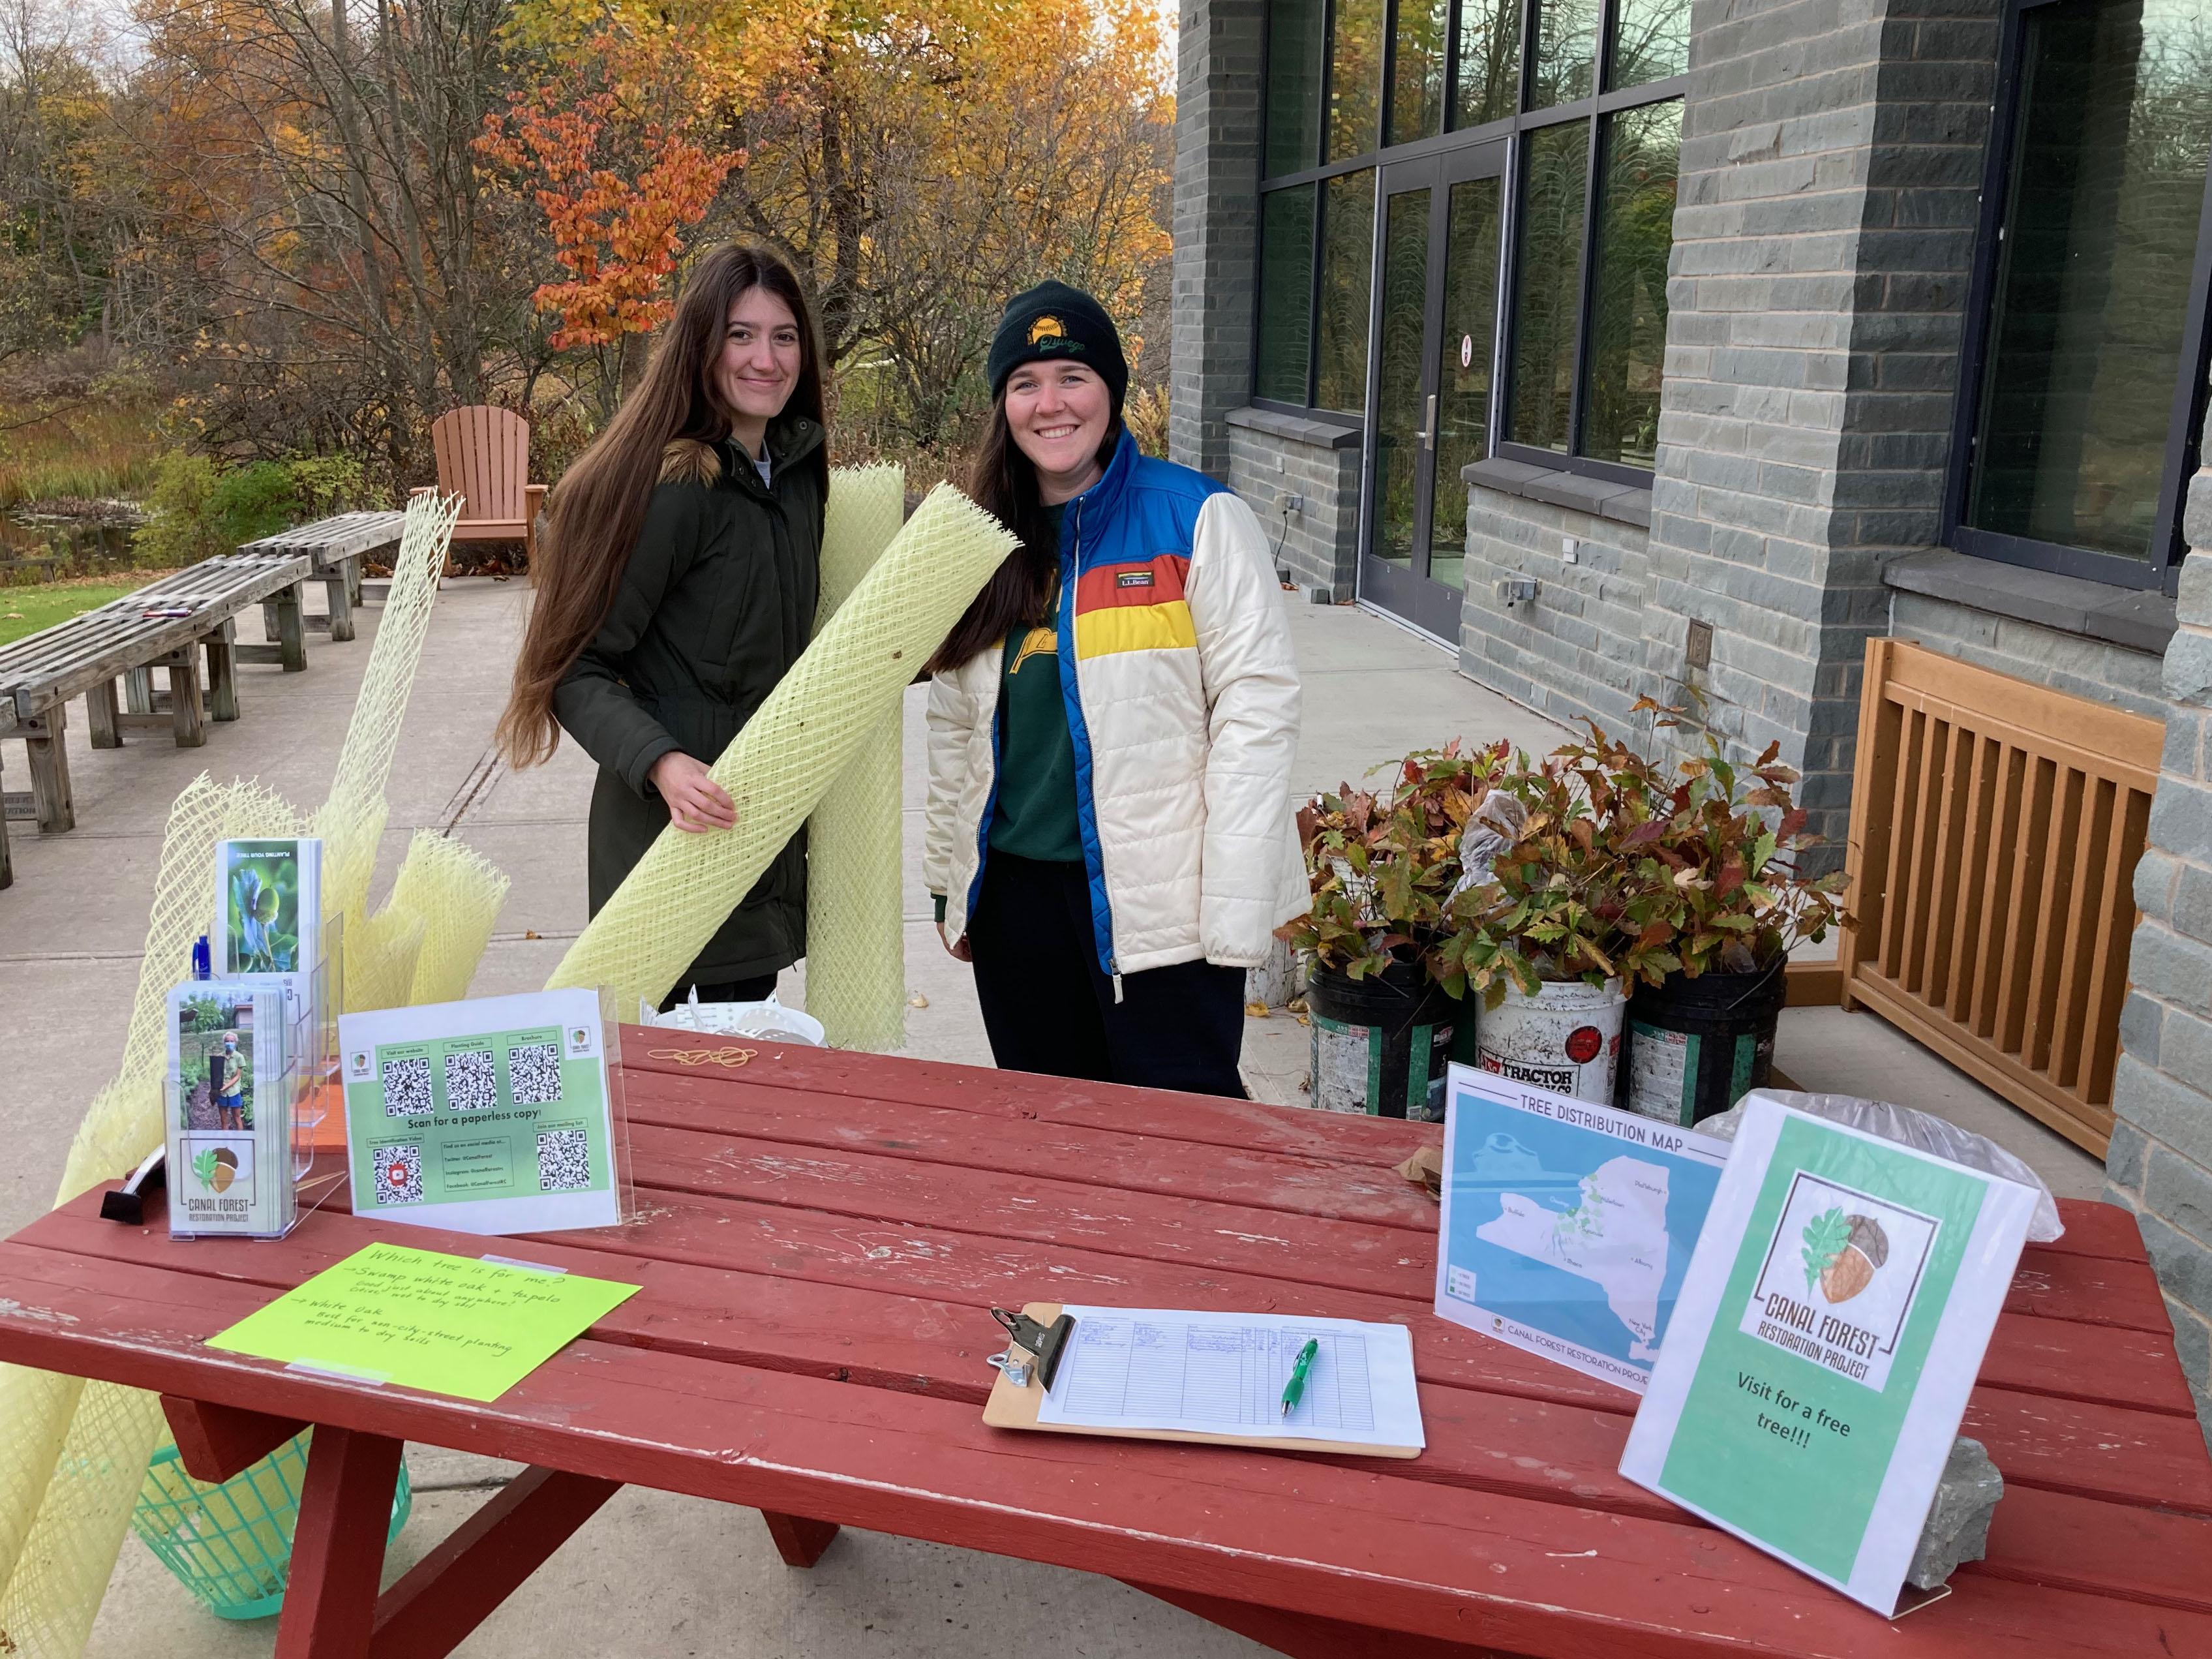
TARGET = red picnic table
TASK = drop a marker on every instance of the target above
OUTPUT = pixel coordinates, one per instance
(823, 1235)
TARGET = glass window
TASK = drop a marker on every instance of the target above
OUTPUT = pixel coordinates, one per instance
(1489, 85)
(1547, 285)
(1628, 283)
(1285, 293)
(1566, 51)
(1297, 31)
(2092, 279)
(1355, 79)
(1399, 412)
(1417, 71)
(1650, 41)
(1470, 319)
(1347, 249)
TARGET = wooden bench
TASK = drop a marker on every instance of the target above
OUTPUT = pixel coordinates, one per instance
(84, 656)
(337, 545)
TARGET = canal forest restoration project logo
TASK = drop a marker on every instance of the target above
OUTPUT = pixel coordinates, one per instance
(1839, 1278)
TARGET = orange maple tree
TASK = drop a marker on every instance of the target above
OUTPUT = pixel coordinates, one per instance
(619, 185)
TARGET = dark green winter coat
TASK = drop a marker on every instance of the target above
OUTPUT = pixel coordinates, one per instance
(714, 607)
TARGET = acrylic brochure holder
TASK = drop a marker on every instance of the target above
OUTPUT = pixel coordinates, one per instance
(250, 1090)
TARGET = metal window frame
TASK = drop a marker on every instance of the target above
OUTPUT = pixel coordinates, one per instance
(1592, 109)
(2185, 417)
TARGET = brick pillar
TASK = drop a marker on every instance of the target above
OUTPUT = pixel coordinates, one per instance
(1217, 217)
(1824, 231)
(2161, 1162)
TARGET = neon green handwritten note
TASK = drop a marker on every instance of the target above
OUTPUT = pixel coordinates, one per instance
(447, 1324)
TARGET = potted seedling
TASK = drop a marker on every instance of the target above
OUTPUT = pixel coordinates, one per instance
(1546, 941)
(1383, 866)
(1719, 901)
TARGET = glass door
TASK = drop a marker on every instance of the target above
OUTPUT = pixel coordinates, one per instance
(1436, 334)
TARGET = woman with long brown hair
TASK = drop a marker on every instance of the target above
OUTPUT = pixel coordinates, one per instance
(676, 586)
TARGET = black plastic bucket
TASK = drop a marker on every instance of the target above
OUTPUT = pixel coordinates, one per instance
(1697, 1046)
(1381, 1044)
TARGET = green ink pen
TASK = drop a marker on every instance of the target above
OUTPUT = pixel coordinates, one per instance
(1296, 1387)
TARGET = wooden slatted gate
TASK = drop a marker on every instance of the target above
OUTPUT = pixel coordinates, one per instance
(1996, 826)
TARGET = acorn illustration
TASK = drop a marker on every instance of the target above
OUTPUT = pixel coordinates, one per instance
(216, 1169)
(1854, 1266)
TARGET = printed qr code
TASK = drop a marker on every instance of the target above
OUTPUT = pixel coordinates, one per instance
(534, 1070)
(399, 1172)
(564, 1163)
(471, 1083)
(406, 1088)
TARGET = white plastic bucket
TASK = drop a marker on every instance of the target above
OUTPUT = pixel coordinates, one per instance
(1565, 1038)
(770, 1020)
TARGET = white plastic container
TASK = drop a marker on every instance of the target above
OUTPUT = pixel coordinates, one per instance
(1565, 1038)
(770, 1020)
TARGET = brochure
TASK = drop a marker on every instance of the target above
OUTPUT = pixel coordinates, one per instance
(229, 1110)
(1567, 1227)
(1824, 1344)
(485, 1116)
(267, 908)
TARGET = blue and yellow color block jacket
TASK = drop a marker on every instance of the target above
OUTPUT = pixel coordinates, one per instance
(1182, 701)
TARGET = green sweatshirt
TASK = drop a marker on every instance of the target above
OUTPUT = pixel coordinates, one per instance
(1035, 814)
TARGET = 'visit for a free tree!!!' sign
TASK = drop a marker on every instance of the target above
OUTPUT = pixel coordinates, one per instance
(1825, 1339)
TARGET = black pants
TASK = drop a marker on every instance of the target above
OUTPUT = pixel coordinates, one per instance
(1049, 1007)
(736, 990)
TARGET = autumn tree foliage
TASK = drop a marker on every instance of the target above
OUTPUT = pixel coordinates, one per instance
(318, 223)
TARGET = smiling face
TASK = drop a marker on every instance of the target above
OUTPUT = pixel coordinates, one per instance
(760, 362)
(1058, 413)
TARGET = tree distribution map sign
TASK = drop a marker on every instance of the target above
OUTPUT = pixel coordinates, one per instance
(1567, 1227)
(484, 1116)
(1825, 1343)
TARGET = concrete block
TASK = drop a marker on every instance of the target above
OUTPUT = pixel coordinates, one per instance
(2187, 676)
(2124, 1159)
(2192, 900)
(2181, 818)
(2163, 1107)
(2181, 1191)
(2183, 1264)
(2140, 1019)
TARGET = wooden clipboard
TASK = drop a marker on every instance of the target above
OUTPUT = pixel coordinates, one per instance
(1012, 1407)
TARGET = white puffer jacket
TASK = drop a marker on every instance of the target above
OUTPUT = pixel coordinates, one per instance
(1184, 713)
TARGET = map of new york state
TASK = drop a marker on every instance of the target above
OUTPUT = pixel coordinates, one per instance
(1615, 1236)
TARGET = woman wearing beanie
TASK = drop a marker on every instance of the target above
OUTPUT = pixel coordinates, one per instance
(677, 587)
(1110, 837)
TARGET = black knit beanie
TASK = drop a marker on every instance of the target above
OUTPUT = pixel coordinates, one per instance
(1064, 324)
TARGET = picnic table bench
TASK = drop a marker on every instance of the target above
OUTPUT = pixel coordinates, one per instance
(821, 1235)
(337, 545)
(85, 655)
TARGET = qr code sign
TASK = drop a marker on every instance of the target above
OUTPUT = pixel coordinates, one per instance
(399, 1174)
(406, 1088)
(534, 1070)
(564, 1163)
(472, 1085)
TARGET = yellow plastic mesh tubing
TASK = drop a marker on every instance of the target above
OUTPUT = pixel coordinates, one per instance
(801, 739)
(457, 893)
(71, 1453)
(855, 931)
(352, 822)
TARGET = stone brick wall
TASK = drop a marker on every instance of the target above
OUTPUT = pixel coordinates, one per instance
(1824, 233)
(1217, 217)
(2161, 1162)
(1268, 463)
(1578, 649)
(2066, 662)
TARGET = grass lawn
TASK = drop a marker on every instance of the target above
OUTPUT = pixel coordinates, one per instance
(26, 610)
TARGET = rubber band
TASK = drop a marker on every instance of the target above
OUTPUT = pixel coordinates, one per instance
(730, 1058)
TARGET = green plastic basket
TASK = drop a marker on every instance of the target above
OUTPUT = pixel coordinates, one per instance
(230, 1544)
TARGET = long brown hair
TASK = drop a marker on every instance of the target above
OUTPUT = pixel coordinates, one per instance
(1004, 483)
(599, 508)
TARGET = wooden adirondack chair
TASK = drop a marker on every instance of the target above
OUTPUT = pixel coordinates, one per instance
(483, 457)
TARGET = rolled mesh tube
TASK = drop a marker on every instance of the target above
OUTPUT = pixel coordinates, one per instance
(780, 765)
(456, 892)
(855, 931)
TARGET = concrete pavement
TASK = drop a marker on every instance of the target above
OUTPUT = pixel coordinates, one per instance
(654, 1574)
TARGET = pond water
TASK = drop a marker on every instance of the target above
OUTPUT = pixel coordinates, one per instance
(47, 541)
